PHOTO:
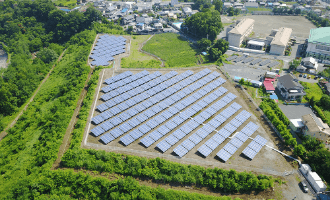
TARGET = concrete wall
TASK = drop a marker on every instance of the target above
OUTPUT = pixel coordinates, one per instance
(246, 50)
(311, 49)
(234, 40)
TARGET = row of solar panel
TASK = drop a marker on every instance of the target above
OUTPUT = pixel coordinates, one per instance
(188, 127)
(134, 85)
(154, 122)
(207, 129)
(201, 134)
(123, 104)
(254, 147)
(127, 80)
(108, 37)
(118, 77)
(225, 132)
(139, 108)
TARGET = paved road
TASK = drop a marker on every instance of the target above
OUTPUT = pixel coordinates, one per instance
(3, 59)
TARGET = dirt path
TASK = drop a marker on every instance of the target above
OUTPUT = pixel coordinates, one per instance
(67, 137)
(4, 132)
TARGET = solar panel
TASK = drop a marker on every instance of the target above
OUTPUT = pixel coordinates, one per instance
(144, 128)
(134, 122)
(173, 110)
(170, 125)
(248, 132)
(124, 116)
(230, 148)
(214, 123)
(127, 139)
(260, 140)
(241, 136)
(202, 104)
(230, 128)
(205, 115)
(204, 150)
(178, 120)
(163, 146)
(125, 127)
(136, 134)
(236, 106)
(252, 126)
(97, 131)
(202, 133)
(255, 146)
(220, 118)
(195, 138)
(249, 153)
(179, 134)
(159, 119)
(211, 144)
(224, 133)
(236, 142)
(218, 138)
(235, 123)
(171, 140)
(147, 141)
(187, 144)
(106, 138)
(163, 130)
(116, 132)
(155, 135)
(180, 151)
(223, 155)
(106, 126)
(98, 119)
(152, 123)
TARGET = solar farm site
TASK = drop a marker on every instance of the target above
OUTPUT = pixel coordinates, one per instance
(191, 115)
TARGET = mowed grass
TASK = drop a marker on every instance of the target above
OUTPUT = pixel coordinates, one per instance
(173, 49)
(66, 3)
(259, 9)
(312, 89)
(137, 59)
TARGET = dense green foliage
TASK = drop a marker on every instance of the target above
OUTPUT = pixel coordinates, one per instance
(317, 20)
(233, 11)
(47, 55)
(70, 185)
(203, 44)
(278, 119)
(286, 10)
(173, 49)
(218, 49)
(203, 24)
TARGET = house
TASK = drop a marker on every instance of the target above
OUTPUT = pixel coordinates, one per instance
(251, 5)
(238, 5)
(296, 125)
(187, 11)
(174, 2)
(310, 63)
(128, 19)
(269, 85)
(318, 12)
(280, 41)
(276, 4)
(143, 7)
(289, 88)
(158, 26)
(242, 30)
(301, 68)
(262, 3)
(140, 26)
(227, 5)
(314, 127)
(319, 43)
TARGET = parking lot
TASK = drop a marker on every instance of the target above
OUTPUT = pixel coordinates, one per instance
(266, 161)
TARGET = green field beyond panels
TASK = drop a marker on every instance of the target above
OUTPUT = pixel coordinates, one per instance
(172, 48)
(259, 9)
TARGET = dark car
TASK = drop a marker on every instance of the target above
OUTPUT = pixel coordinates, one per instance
(300, 75)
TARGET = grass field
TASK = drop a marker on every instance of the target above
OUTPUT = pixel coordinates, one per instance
(170, 47)
(312, 89)
(258, 9)
(66, 3)
(137, 59)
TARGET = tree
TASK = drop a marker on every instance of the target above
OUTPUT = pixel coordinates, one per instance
(47, 55)
(218, 5)
(129, 29)
(295, 63)
(214, 54)
(242, 82)
(230, 11)
(203, 44)
(222, 45)
(325, 102)
(297, 11)
(299, 150)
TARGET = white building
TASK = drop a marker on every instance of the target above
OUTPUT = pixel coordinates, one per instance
(313, 178)
(280, 41)
(240, 31)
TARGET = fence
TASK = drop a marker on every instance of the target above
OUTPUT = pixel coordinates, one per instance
(246, 50)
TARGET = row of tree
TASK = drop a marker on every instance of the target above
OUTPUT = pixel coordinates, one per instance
(215, 50)
(317, 20)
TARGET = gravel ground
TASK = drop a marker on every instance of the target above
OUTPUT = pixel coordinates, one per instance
(3, 59)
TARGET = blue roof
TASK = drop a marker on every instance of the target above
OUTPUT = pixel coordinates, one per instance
(65, 10)
(124, 10)
(140, 24)
(273, 96)
(270, 3)
(236, 77)
(204, 53)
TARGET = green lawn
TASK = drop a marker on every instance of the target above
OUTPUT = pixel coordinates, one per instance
(174, 50)
(312, 89)
(258, 9)
(137, 59)
(226, 24)
(66, 3)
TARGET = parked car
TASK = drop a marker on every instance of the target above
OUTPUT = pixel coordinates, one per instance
(305, 75)
(304, 187)
(309, 77)
(316, 77)
(300, 75)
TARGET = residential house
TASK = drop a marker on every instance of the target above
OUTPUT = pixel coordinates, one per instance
(145, 20)
(290, 88)
(262, 3)
(187, 11)
(238, 5)
(227, 5)
(310, 63)
(319, 43)
(301, 68)
(143, 7)
(314, 127)
(237, 34)
(276, 4)
(318, 12)
(251, 5)
(158, 26)
(174, 2)
(128, 19)
(280, 41)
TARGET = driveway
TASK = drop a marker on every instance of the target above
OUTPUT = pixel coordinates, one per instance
(295, 111)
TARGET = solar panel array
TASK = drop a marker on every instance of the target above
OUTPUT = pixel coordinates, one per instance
(254, 147)
(105, 48)
(208, 128)
(226, 131)
(265, 62)
(232, 58)
(247, 60)
(155, 107)
(256, 61)
(239, 59)
(137, 95)
(273, 64)
(183, 116)
(236, 142)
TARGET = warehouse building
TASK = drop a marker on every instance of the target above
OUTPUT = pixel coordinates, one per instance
(280, 41)
(240, 31)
